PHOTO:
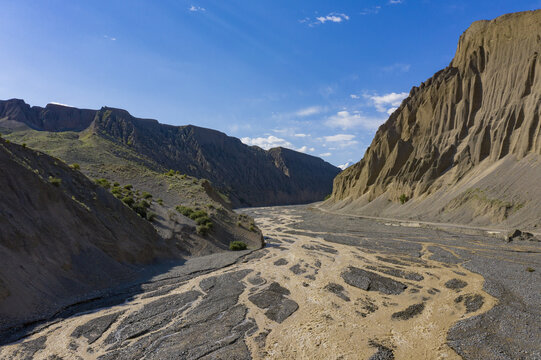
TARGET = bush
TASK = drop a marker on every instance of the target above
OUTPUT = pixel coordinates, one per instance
(237, 246)
(151, 216)
(116, 184)
(170, 173)
(141, 208)
(146, 195)
(103, 183)
(160, 201)
(252, 228)
(55, 181)
(327, 197)
(184, 210)
(128, 187)
(128, 200)
(404, 198)
(75, 166)
(24, 145)
(204, 229)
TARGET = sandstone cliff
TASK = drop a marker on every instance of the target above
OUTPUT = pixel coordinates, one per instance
(465, 145)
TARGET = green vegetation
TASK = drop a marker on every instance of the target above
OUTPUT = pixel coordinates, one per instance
(327, 197)
(104, 183)
(252, 228)
(75, 166)
(404, 198)
(146, 195)
(160, 201)
(170, 173)
(237, 246)
(24, 145)
(128, 200)
(201, 218)
(530, 269)
(55, 181)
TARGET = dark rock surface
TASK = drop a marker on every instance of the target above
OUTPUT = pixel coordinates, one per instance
(473, 302)
(338, 290)
(456, 284)
(94, 328)
(281, 262)
(371, 281)
(273, 299)
(409, 312)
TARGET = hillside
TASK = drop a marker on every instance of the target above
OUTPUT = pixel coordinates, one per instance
(62, 236)
(249, 176)
(465, 146)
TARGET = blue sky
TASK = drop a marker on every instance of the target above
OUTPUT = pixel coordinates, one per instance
(316, 76)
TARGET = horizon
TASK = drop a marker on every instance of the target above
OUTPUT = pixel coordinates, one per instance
(316, 77)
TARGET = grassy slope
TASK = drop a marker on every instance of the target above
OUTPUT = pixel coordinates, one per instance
(102, 158)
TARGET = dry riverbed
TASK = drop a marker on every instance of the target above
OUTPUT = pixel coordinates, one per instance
(325, 287)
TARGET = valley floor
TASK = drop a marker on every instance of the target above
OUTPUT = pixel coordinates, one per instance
(325, 287)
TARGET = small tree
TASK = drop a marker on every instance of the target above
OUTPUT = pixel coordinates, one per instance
(237, 246)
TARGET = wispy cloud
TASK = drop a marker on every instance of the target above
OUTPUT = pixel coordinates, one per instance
(312, 110)
(387, 103)
(305, 149)
(371, 10)
(340, 141)
(266, 142)
(353, 96)
(325, 154)
(301, 135)
(194, 8)
(332, 17)
(346, 120)
(109, 37)
(397, 67)
(394, 2)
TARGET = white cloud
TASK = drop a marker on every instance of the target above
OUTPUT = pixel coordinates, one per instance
(396, 1)
(353, 96)
(387, 103)
(339, 137)
(401, 67)
(109, 37)
(194, 8)
(346, 165)
(266, 142)
(340, 141)
(332, 17)
(305, 149)
(346, 120)
(312, 110)
(325, 154)
(301, 135)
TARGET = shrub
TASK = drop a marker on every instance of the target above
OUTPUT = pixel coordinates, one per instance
(146, 195)
(151, 216)
(75, 166)
(237, 246)
(160, 201)
(128, 187)
(170, 173)
(184, 210)
(204, 229)
(116, 184)
(404, 198)
(327, 197)
(530, 269)
(128, 200)
(103, 183)
(239, 224)
(140, 208)
(252, 228)
(24, 145)
(55, 181)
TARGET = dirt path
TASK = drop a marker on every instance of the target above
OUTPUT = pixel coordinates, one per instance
(302, 297)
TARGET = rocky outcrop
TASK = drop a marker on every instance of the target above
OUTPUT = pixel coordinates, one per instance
(458, 127)
(53, 117)
(249, 175)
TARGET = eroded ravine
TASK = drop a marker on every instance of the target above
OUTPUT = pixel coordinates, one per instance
(300, 297)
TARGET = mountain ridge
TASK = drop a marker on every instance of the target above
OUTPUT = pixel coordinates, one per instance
(249, 175)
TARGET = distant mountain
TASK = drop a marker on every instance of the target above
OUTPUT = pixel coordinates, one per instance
(465, 146)
(249, 175)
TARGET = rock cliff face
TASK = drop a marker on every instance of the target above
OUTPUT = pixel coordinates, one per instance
(250, 176)
(455, 132)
